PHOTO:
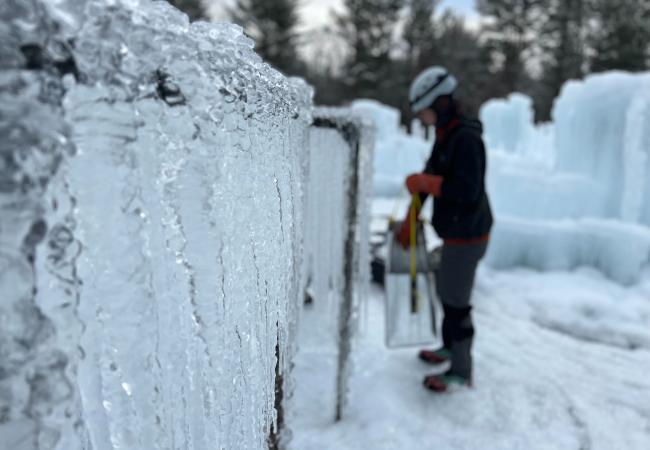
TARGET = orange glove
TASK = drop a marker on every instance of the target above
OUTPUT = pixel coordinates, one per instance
(403, 236)
(424, 183)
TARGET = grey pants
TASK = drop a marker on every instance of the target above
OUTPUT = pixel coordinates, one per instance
(454, 283)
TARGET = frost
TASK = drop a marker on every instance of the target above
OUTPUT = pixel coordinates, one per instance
(336, 241)
(153, 187)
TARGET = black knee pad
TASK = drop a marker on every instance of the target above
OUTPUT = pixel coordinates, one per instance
(459, 322)
(456, 313)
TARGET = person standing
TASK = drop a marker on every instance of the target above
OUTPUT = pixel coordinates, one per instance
(454, 176)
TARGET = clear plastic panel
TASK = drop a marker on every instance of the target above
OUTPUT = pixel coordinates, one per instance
(403, 326)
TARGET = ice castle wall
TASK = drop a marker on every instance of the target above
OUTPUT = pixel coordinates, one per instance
(574, 192)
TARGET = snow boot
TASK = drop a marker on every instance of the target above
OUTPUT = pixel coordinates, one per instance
(445, 382)
(439, 356)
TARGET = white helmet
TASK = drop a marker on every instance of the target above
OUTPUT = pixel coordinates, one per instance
(429, 85)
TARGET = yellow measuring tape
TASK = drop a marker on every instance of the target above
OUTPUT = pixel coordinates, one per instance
(415, 207)
(413, 219)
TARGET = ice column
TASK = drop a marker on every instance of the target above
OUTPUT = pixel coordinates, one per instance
(601, 133)
(38, 250)
(160, 165)
(337, 236)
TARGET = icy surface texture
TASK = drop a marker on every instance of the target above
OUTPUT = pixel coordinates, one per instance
(510, 124)
(620, 250)
(574, 192)
(602, 133)
(38, 335)
(325, 223)
(165, 185)
(337, 228)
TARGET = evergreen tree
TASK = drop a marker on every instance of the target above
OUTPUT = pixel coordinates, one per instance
(419, 37)
(563, 43)
(367, 27)
(193, 8)
(620, 35)
(460, 51)
(510, 37)
(419, 34)
(272, 24)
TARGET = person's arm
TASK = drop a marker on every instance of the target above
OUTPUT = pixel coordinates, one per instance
(402, 234)
(428, 170)
(425, 183)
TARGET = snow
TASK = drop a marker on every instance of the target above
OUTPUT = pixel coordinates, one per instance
(553, 369)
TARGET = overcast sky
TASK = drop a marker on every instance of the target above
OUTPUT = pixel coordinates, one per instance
(323, 49)
(316, 13)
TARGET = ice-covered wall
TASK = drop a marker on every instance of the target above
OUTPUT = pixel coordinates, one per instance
(577, 191)
(39, 284)
(336, 237)
(153, 178)
(602, 133)
(510, 122)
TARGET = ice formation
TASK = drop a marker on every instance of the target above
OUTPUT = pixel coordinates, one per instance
(510, 122)
(602, 133)
(575, 192)
(336, 245)
(153, 186)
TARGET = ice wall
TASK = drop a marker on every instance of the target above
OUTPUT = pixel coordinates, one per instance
(510, 122)
(574, 192)
(39, 284)
(337, 225)
(153, 184)
(602, 133)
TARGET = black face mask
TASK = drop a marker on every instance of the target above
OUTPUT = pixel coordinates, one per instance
(445, 108)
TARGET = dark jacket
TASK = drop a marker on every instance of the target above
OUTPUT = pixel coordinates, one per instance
(463, 209)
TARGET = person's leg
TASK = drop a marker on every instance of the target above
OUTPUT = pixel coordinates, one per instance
(446, 324)
(461, 336)
(455, 282)
(441, 355)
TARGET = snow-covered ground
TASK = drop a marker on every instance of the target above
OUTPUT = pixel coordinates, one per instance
(561, 362)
